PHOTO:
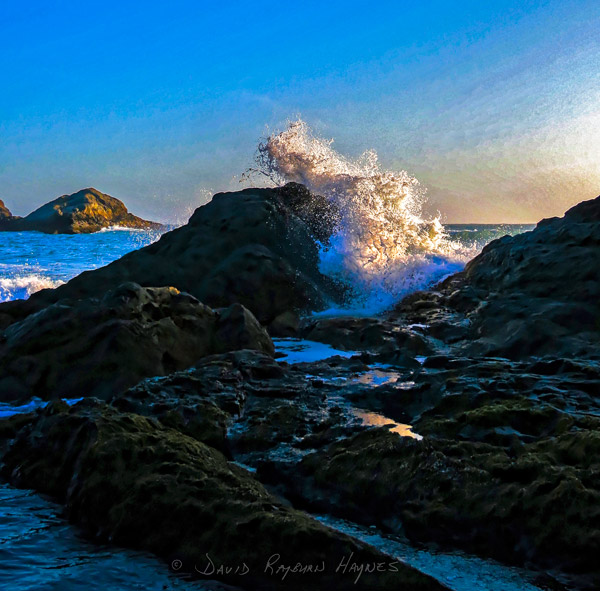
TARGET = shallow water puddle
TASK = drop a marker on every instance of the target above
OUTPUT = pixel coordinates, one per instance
(295, 351)
(9, 410)
(373, 419)
(377, 377)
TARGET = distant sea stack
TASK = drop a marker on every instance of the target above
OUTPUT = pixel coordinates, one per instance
(5, 213)
(84, 212)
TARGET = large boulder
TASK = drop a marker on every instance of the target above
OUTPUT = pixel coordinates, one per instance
(126, 479)
(542, 287)
(83, 212)
(256, 247)
(99, 347)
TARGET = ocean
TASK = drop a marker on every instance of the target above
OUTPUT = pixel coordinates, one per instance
(30, 261)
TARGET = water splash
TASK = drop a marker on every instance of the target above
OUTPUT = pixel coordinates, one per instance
(22, 286)
(384, 247)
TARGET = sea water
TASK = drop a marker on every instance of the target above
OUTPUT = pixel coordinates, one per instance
(31, 261)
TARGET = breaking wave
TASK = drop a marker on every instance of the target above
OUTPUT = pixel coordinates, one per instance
(384, 246)
(21, 287)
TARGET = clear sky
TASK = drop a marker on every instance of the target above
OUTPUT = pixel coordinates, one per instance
(493, 105)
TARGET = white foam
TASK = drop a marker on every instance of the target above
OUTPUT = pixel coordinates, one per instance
(122, 229)
(22, 286)
(384, 247)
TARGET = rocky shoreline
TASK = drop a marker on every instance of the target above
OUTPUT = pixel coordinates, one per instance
(465, 419)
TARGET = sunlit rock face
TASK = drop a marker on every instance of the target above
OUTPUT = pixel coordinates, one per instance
(83, 212)
(4, 211)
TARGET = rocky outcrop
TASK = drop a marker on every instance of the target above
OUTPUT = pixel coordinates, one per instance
(515, 507)
(98, 347)
(542, 288)
(254, 247)
(128, 480)
(83, 212)
(204, 401)
(532, 294)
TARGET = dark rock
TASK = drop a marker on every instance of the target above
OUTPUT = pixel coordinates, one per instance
(128, 480)
(248, 247)
(364, 334)
(287, 324)
(532, 294)
(83, 212)
(237, 328)
(320, 214)
(538, 507)
(542, 288)
(100, 347)
(203, 401)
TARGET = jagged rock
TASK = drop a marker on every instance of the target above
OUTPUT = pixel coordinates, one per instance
(364, 334)
(126, 479)
(542, 286)
(532, 294)
(83, 212)
(99, 347)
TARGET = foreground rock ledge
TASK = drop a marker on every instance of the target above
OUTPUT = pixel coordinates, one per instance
(99, 347)
(127, 480)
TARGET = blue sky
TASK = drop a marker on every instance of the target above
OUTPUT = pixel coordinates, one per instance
(494, 106)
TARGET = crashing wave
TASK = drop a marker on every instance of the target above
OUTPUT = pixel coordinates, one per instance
(383, 246)
(21, 287)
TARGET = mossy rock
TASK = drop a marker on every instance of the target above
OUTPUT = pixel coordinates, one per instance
(130, 480)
